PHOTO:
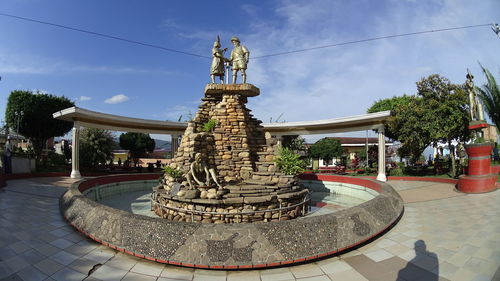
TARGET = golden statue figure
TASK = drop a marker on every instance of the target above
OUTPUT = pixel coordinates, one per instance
(475, 106)
(218, 60)
(239, 59)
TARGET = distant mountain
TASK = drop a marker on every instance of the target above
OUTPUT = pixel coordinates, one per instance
(161, 144)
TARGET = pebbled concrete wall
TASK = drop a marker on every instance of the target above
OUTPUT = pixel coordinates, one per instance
(235, 245)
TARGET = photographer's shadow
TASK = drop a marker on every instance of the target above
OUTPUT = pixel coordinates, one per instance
(428, 260)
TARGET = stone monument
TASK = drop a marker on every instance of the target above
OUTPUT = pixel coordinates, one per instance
(225, 163)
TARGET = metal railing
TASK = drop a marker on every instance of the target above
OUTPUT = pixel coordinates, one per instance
(304, 204)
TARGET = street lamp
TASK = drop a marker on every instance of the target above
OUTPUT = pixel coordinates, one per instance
(496, 28)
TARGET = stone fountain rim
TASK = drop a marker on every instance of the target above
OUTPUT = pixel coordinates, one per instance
(77, 209)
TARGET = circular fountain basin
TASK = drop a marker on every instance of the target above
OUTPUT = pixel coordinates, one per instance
(325, 197)
(347, 211)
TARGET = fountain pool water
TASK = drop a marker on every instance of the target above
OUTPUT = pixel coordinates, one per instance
(326, 197)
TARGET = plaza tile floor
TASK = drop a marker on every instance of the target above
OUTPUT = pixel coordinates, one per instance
(443, 235)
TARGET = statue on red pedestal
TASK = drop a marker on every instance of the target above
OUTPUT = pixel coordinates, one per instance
(475, 106)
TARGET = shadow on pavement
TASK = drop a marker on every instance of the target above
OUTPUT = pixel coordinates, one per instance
(423, 258)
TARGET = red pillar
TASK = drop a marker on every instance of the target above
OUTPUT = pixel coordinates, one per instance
(479, 178)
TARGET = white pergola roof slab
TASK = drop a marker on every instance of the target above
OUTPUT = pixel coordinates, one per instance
(337, 125)
(94, 119)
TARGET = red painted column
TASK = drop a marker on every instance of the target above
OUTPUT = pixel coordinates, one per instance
(479, 178)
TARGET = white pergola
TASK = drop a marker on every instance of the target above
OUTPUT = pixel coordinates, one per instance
(86, 118)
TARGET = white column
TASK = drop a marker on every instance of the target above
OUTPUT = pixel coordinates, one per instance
(279, 140)
(381, 155)
(75, 152)
(174, 144)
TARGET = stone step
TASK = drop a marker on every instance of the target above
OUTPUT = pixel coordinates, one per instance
(236, 200)
(252, 187)
(283, 185)
(235, 189)
(269, 192)
(258, 182)
(231, 195)
(251, 191)
(293, 194)
(260, 199)
(284, 190)
(256, 190)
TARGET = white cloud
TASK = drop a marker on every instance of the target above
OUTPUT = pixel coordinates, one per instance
(346, 80)
(20, 69)
(40, 92)
(117, 99)
(84, 98)
(181, 112)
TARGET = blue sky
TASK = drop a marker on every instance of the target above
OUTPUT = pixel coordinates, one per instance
(126, 79)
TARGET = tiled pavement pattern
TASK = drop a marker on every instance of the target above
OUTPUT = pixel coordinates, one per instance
(456, 237)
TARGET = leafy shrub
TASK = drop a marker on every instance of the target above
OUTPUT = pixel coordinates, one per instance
(174, 173)
(210, 125)
(289, 162)
(398, 170)
(54, 159)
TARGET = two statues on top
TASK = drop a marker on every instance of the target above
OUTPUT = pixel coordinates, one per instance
(238, 61)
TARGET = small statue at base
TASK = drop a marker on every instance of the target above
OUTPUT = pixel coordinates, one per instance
(218, 60)
(239, 59)
(199, 167)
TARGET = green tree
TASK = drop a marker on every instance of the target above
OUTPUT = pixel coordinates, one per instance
(137, 143)
(390, 104)
(294, 142)
(447, 116)
(438, 113)
(405, 125)
(326, 149)
(36, 121)
(96, 146)
(489, 94)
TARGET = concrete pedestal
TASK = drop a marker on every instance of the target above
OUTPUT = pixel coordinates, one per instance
(479, 178)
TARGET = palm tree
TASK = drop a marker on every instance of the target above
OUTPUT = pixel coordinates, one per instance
(489, 94)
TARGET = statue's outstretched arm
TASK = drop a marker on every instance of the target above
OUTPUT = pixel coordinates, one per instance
(214, 176)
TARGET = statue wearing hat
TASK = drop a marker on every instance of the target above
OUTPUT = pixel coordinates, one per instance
(475, 107)
(217, 67)
(239, 59)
